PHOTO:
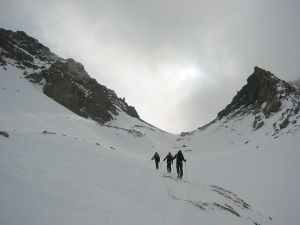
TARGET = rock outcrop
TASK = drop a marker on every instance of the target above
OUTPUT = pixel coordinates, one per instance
(65, 81)
(26, 51)
(263, 91)
(4, 134)
(68, 83)
(263, 96)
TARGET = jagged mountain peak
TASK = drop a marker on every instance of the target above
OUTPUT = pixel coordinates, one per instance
(265, 101)
(64, 80)
(26, 51)
(65, 165)
(263, 91)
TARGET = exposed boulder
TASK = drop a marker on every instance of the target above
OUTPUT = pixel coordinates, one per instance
(4, 134)
(284, 123)
(75, 69)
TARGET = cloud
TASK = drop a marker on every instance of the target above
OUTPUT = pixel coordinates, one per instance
(177, 62)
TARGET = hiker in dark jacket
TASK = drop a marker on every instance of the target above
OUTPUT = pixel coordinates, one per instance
(179, 158)
(156, 159)
(169, 159)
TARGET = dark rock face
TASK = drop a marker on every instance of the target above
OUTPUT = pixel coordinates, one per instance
(263, 96)
(65, 81)
(4, 134)
(75, 69)
(69, 84)
(23, 49)
(262, 88)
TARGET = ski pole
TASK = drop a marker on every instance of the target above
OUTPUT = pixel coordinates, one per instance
(186, 170)
(172, 168)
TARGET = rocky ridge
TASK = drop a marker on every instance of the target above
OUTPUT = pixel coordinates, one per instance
(65, 81)
(263, 96)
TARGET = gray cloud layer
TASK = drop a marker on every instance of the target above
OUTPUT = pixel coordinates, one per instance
(178, 62)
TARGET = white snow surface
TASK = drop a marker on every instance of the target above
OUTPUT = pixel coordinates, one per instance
(58, 168)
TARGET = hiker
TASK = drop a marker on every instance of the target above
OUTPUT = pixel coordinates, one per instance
(169, 159)
(179, 158)
(156, 159)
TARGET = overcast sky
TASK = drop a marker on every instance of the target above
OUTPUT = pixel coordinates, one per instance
(177, 62)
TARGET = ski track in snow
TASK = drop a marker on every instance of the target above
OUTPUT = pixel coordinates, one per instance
(79, 172)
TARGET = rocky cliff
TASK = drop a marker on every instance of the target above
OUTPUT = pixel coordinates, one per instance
(263, 96)
(64, 80)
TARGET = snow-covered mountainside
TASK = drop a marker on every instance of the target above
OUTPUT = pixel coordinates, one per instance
(252, 147)
(60, 166)
(264, 96)
(66, 81)
(265, 107)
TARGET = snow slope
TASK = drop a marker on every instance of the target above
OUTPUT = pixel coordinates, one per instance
(261, 164)
(58, 168)
(259, 167)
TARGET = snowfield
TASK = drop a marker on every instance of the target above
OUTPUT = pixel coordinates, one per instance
(58, 168)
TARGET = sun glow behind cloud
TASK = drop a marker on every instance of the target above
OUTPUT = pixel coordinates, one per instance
(177, 62)
(187, 72)
(186, 76)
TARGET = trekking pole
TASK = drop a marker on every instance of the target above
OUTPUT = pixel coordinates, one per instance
(160, 168)
(186, 176)
(172, 169)
(164, 170)
(151, 163)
